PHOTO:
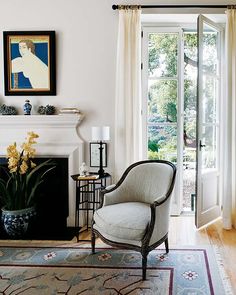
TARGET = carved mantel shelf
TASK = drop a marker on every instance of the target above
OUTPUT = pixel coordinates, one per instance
(53, 130)
(20, 121)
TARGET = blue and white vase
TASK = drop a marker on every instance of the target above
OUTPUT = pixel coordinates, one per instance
(17, 223)
(27, 107)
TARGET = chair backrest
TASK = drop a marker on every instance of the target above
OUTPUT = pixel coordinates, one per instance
(145, 181)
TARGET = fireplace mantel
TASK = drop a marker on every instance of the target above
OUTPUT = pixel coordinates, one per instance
(58, 137)
(20, 121)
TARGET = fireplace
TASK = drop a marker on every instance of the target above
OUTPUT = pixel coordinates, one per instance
(59, 139)
(51, 204)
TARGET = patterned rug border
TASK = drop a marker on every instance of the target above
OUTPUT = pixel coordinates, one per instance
(206, 249)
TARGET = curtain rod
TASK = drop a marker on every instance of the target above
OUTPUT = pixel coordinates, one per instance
(114, 7)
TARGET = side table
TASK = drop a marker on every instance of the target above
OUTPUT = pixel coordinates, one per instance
(87, 197)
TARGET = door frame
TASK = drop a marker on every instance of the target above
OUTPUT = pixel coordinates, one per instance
(203, 217)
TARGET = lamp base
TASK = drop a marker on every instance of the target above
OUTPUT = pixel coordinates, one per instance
(101, 170)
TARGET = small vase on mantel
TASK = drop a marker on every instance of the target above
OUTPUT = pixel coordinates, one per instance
(27, 107)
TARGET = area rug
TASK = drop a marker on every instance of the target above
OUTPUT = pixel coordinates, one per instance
(62, 270)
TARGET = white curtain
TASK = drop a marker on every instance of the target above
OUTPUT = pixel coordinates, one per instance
(128, 91)
(229, 182)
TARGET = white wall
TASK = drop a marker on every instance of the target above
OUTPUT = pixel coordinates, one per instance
(86, 51)
(86, 34)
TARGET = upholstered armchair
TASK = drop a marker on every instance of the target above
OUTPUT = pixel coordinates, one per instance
(134, 213)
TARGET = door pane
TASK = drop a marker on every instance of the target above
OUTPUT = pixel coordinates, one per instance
(209, 151)
(162, 142)
(163, 51)
(162, 90)
(209, 98)
(162, 101)
(207, 197)
(210, 57)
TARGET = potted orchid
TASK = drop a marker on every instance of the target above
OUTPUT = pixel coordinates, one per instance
(19, 183)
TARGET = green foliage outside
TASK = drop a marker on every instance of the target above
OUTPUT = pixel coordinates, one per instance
(162, 97)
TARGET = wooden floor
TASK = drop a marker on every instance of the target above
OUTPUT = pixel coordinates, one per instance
(182, 233)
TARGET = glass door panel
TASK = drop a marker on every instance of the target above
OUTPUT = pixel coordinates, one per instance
(162, 105)
(162, 142)
(163, 54)
(208, 121)
(209, 152)
(209, 99)
(162, 101)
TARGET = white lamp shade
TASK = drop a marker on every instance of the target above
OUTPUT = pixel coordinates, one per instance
(101, 133)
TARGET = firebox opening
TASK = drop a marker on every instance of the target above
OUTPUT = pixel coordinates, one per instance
(52, 203)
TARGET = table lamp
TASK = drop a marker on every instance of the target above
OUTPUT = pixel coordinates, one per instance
(101, 134)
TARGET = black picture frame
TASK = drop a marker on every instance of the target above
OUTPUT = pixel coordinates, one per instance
(29, 62)
(95, 154)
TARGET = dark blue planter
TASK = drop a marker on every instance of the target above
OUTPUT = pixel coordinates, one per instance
(17, 223)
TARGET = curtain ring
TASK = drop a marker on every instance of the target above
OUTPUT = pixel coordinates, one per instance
(231, 7)
(127, 7)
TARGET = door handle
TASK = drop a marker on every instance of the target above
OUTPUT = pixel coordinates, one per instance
(201, 145)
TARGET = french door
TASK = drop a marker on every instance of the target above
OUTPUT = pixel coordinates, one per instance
(167, 126)
(208, 118)
(163, 100)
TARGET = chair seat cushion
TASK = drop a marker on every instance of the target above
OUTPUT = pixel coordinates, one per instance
(124, 220)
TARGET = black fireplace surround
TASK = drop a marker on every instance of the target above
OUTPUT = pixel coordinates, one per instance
(52, 203)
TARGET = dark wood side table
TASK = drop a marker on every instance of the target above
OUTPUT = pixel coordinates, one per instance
(87, 197)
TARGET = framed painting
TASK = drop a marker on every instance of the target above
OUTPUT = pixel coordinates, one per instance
(29, 62)
(95, 154)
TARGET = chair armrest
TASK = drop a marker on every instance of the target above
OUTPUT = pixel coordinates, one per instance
(158, 201)
(112, 194)
(161, 220)
(108, 188)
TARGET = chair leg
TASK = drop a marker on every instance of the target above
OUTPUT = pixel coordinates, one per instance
(144, 265)
(93, 241)
(167, 245)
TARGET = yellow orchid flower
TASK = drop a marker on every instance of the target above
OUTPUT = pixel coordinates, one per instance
(12, 162)
(31, 137)
(32, 134)
(32, 164)
(24, 179)
(12, 151)
(12, 170)
(23, 167)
